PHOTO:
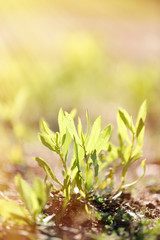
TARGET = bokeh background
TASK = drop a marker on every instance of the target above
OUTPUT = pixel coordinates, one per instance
(96, 55)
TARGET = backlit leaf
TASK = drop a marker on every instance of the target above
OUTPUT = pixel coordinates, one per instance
(42, 190)
(46, 140)
(27, 195)
(66, 143)
(126, 118)
(47, 169)
(61, 122)
(14, 212)
(142, 112)
(94, 135)
(45, 128)
(137, 180)
(122, 129)
(102, 142)
(71, 126)
(80, 129)
(139, 127)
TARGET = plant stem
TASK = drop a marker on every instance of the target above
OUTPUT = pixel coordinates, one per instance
(63, 163)
(124, 172)
(87, 168)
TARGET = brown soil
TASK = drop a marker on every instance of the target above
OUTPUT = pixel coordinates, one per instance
(73, 222)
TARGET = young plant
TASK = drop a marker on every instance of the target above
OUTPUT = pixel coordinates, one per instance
(33, 198)
(130, 143)
(84, 166)
(92, 152)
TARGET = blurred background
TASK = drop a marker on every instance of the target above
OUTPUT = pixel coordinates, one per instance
(95, 55)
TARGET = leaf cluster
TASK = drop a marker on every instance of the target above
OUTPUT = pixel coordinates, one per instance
(33, 199)
(93, 152)
(84, 166)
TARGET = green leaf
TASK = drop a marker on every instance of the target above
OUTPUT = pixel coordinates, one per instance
(42, 191)
(95, 163)
(126, 153)
(142, 112)
(14, 212)
(94, 135)
(66, 143)
(139, 141)
(81, 156)
(47, 169)
(67, 186)
(28, 196)
(75, 169)
(130, 162)
(140, 126)
(89, 183)
(73, 113)
(46, 141)
(122, 129)
(71, 127)
(58, 140)
(137, 180)
(76, 154)
(126, 118)
(45, 128)
(61, 122)
(34, 198)
(80, 129)
(102, 142)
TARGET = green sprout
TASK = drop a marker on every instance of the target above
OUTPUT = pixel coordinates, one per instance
(130, 143)
(33, 199)
(84, 158)
(84, 166)
(93, 152)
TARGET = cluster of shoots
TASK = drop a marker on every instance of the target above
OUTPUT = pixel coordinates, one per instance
(89, 161)
(94, 160)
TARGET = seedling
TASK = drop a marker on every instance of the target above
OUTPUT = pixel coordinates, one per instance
(84, 157)
(93, 152)
(33, 198)
(130, 143)
(83, 172)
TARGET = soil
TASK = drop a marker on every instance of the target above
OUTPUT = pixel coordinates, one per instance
(122, 218)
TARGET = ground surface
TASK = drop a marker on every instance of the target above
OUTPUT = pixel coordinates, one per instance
(120, 218)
